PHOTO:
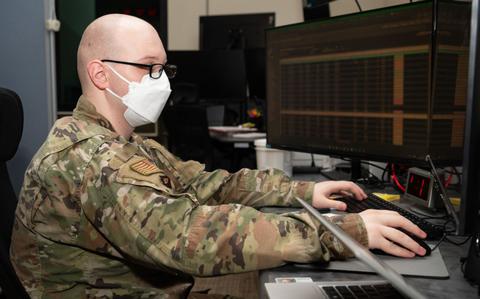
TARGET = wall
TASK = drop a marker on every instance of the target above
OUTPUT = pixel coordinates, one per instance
(75, 17)
(23, 68)
(183, 16)
(341, 7)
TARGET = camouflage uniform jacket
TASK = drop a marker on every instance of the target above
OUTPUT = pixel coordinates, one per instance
(100, 216)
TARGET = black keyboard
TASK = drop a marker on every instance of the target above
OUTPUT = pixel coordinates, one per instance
(434, 232)
(361, 291)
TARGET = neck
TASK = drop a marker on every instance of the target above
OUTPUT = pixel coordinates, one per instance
(121, 127)
(112, 110)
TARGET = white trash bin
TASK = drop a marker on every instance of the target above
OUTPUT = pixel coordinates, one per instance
(272, 158)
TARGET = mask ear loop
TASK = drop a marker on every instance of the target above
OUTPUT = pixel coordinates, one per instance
(116, 73)
(121, 77)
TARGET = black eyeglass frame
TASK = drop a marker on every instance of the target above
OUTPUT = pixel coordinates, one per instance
(169, 68)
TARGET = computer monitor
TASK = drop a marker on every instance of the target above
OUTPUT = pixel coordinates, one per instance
(218, 74)
(256, 72)
(241, 31)
(316, 10)
(470, 199)
(379, 85)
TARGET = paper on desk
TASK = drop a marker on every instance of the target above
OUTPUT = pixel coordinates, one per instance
(230, 129)
(249, 135)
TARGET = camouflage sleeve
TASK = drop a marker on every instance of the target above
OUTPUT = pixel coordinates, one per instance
(154, 225)
(255, 188)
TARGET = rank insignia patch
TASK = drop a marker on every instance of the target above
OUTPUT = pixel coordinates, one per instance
(144, 167)
(166, 181)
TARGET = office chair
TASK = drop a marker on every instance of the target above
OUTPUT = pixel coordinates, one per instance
(11, 127)
(216, 115)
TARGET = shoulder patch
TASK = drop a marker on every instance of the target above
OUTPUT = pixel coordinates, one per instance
(144, 167)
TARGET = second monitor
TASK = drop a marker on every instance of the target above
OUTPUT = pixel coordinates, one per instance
(380, 85)
(216, 74)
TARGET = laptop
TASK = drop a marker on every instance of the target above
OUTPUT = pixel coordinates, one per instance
(394, 285)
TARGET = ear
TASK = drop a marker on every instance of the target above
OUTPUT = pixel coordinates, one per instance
(98, 76)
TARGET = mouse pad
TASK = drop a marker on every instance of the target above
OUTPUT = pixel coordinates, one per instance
(431, 266)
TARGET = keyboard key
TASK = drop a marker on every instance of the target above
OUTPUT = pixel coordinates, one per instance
(331, 293)
(377, 291)
(370, 290)
(357, 290)
(346, 294)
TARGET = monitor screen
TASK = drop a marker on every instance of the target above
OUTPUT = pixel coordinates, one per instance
(255, 67)
(217, 74)
(375, 85)
(418, 186)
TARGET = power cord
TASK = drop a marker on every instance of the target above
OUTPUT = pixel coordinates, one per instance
(358, 5)
(445, 238)
(395, 179)
(439, 242)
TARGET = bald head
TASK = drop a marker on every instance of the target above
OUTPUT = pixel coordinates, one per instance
(117, 37)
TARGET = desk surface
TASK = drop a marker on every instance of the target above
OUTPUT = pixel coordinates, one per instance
(454, 287)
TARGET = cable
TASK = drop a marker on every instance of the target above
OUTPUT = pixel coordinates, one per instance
(445, 226)
(358, 5)
(395, 179)
(372, 182)
(397, 183)
(448, 180)
(374, 165)
(312, 164)
(366, 163)
(444, 237)
(383, 173)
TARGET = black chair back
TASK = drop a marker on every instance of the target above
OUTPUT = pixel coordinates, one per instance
(11, 127)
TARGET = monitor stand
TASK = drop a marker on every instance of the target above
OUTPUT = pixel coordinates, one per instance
(312, 168)
(356, 170)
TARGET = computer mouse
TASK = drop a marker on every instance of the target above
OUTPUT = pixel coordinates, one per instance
(419, 241)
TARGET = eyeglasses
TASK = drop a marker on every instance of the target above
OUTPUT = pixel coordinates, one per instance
(155, 69)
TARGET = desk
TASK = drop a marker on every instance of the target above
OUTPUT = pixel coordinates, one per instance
(240, 137)
(453, 287)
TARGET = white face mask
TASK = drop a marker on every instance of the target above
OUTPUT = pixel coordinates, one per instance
(145, 100)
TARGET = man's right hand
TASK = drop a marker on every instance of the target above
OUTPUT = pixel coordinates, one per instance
(382, 233)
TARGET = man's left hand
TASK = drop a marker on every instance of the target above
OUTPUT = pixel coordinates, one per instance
(323, 190)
